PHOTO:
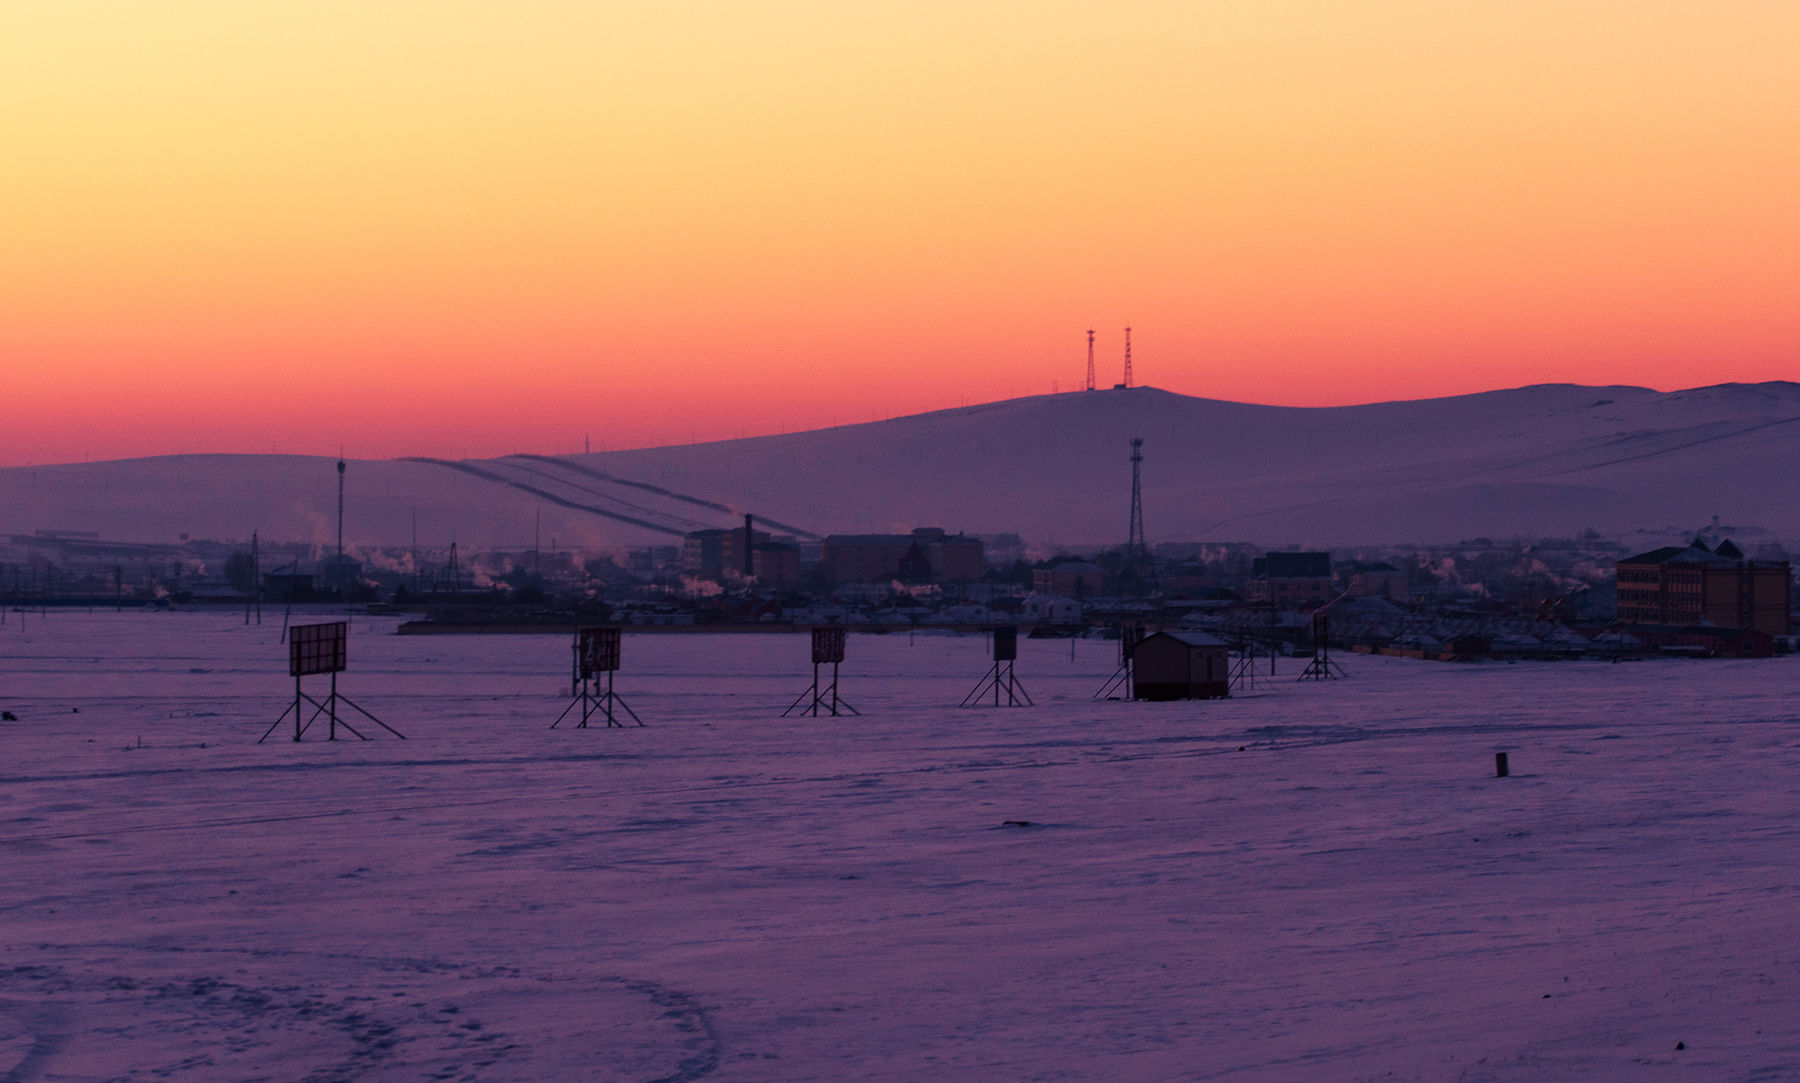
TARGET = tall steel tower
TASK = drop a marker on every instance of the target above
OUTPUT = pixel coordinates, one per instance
(1090, 383)
(1135, 547)
(1128, 357)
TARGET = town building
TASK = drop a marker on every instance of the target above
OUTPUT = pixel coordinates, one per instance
(927, 555)
(1071, 579)
(708, 553)
(1692, 585)
(1705, 640)
(1050, 609)
(1287, 580)
(1379, 580)
(290, 586)
(776, 565)
(337, 572)
(648, 561)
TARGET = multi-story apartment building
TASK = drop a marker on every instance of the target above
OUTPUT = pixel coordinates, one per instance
(1688, 585)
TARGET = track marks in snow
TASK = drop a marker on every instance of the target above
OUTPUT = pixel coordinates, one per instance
(1070, 753)
(197, 1013)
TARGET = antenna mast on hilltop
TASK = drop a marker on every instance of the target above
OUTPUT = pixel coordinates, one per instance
(1090, 383)
(1127, 382)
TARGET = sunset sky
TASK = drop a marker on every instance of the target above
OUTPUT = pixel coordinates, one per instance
(458, 228)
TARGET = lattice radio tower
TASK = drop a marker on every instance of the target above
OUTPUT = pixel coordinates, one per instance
(1127, 357)
(1090, 383)
(1135, 549)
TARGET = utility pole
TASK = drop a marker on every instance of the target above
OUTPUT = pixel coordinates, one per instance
(253, 595)
(340, 545)
(1135, 549)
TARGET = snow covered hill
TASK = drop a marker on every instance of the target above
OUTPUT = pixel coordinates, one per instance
(1531, 461)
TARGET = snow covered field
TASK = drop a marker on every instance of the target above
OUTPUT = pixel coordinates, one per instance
(1308, 882)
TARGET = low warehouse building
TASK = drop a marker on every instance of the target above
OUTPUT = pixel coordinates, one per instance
(1180, 665)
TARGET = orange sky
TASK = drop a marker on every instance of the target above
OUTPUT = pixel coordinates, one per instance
(467, 228)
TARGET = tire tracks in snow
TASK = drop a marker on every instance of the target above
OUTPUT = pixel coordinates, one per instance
(1097, 751)
(418, 1030)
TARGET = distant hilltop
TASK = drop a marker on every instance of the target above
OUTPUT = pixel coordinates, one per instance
(1545, 460)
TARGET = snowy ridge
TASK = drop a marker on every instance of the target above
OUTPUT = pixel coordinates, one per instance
(1532, 461)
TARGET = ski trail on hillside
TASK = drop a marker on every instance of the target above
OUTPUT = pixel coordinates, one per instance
(671, 494)
(485, 475)
(602, 475)
(1351, 487)
(1732, 434)
(694, 524)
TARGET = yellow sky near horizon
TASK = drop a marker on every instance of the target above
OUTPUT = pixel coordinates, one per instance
(256, 227)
